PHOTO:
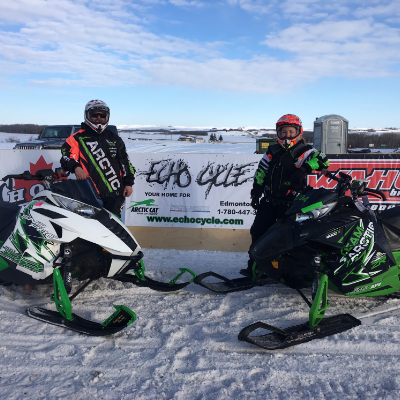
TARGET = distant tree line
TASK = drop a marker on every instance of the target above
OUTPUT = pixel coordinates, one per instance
(361, 139)
(213, 138)
(31, 129)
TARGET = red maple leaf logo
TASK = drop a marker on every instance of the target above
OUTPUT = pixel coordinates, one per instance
(27, 185)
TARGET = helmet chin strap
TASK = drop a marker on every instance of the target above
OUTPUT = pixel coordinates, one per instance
(99, 129)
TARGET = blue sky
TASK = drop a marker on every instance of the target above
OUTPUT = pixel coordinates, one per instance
(201, 62)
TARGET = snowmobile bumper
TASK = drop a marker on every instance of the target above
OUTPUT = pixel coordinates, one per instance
(294, 335)
(140, 279)
(230, 285)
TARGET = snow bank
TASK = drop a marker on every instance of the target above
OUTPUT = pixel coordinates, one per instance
(184, 345)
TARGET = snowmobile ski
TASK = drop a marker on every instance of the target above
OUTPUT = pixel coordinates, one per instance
(64, 316)
(317, 326)
(140, 279)
(119, 320)
(231, 285)
(294, 335)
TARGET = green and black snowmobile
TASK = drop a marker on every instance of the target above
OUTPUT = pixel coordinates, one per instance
(328, 240)
(63, 232)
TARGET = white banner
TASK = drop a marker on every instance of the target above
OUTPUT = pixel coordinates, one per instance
(171, 190)
(192, 190)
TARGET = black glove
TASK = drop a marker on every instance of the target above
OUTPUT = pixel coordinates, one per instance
(299, 180)
(255, 194)
(27, 176)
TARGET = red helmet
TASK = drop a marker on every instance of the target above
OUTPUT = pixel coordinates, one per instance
(289, 120)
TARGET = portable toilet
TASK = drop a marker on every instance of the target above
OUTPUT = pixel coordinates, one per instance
(330, 134)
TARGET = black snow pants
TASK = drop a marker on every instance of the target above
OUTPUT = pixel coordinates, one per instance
(114, 204)
(267, 214)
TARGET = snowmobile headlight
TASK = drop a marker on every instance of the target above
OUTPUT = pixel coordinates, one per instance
(76, 206)
(316, 213)
(323, 210)
(303, 217)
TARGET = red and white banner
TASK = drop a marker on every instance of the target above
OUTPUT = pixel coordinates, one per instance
(382, 174)
(14, 162)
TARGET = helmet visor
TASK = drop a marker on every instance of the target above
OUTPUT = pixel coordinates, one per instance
(288, 132)
(94, 115)
(98, 115)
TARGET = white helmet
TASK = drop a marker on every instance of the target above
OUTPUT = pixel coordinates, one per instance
(97, 105)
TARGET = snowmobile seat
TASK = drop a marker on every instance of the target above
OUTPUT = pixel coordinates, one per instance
(8, 219)
(390, 217)
(390, 220)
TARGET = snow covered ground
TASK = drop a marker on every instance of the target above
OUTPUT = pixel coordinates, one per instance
(9, 140)
(160, 143)
(184, 345)
(236, 142)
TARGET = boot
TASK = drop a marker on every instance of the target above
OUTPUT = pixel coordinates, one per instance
(249, 270)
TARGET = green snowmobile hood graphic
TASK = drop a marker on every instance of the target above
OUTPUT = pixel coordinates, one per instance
(3, 262)
(312, 207)
(19, 242)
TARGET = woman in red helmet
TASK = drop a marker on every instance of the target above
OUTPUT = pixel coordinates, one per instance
(280, 176)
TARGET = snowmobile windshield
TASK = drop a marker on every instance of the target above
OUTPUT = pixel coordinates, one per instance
(79, 190)
(311, 200)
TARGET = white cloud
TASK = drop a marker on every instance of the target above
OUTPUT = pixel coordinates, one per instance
(253, 6)
(319, 9)
(188, 3)
(338, 37)
(390, 10)
(64, 22)
(357, 49)
(259, 75)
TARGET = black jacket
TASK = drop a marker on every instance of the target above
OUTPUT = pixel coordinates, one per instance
(280, 170)
(102, 156)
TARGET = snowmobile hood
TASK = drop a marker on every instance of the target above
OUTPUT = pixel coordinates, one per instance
(288, 234)
(316, 197)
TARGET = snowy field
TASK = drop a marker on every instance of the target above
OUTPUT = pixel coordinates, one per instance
(160, 143)
(184, 345)
(153, 139)
(9, 140)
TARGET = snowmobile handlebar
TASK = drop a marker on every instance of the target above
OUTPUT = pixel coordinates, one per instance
(342, 175)
(41, 175)
(378, 192)
(26, 176)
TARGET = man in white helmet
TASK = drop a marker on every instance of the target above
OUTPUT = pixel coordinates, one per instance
(97, 153)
